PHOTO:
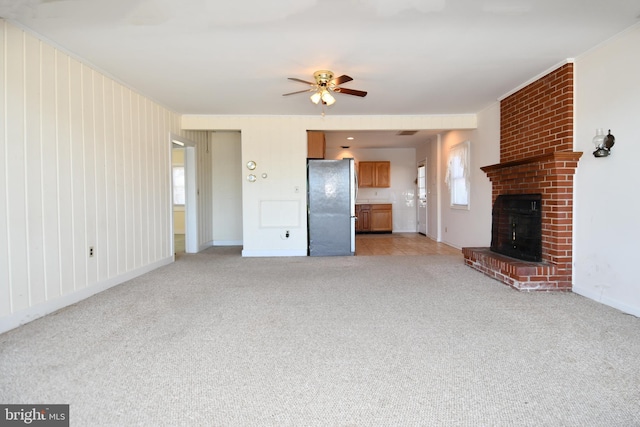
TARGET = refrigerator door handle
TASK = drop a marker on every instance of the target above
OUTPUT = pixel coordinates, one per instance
(355, 178)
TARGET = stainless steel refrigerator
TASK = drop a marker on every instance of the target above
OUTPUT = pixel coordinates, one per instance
(332, 187)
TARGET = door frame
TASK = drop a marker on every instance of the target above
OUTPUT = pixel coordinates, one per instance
(422, 163)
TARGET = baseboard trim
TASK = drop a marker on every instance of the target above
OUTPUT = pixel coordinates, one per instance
(227, 243)
(205, 245)
(27, 315)
(247, 253)
(595, 296)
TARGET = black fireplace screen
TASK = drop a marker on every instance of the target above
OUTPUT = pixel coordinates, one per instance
(517, 226)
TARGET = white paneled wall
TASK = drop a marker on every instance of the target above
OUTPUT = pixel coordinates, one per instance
(84, 162)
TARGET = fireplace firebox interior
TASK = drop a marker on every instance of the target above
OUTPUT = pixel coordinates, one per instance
(517, 226)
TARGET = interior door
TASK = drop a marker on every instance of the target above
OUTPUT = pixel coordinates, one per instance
(422, 197)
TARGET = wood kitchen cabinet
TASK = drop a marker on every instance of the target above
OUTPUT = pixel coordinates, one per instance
(316, 145)
(381, 218)
(374, 218)
(366, 174)
(374, 174)
(363, 221)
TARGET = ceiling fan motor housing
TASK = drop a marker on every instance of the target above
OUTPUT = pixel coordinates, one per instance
(323, 77)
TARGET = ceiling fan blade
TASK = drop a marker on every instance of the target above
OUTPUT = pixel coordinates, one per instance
(300, 91)
(350, 91)
(301, 81)
(342, 79)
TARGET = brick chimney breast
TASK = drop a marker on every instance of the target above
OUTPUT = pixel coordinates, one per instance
(536, 143)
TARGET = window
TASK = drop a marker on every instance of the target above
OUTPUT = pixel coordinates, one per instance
(178, 185)
(458, 175)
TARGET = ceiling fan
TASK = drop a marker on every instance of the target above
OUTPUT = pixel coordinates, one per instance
(324, 85)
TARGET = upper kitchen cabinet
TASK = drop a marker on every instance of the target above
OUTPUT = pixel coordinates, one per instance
(374, 174)
(316, 145)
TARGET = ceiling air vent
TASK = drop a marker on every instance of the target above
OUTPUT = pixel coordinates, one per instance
(407, 132)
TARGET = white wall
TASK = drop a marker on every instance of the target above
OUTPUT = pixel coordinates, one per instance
(227, 188)
(606, 219)
(401, 193)
(471, 228)
(279, 145)
(84, 161)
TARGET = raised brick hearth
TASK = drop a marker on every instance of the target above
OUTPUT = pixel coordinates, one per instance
(536, 142)
(521, 275)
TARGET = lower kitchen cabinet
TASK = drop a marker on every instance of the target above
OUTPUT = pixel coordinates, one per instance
(363, 218)
(374, 218)
(381, 218)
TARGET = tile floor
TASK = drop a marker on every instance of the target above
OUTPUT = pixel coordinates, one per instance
(382, 244)
(401, 244)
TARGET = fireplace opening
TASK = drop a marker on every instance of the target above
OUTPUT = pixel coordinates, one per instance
(517, 226)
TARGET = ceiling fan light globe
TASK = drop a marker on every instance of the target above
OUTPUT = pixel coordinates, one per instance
(327, 98)
(315, 98)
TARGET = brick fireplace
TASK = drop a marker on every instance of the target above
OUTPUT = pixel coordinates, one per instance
(536, 156)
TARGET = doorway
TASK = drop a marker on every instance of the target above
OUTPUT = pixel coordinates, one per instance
(178, 185)
(184, 209)
(422, 197)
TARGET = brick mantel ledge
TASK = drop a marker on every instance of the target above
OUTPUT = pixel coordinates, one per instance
(555, 156)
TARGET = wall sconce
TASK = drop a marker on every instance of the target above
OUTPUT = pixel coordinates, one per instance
(603, 143)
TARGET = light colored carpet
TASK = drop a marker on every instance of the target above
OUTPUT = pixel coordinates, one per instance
(219, 340)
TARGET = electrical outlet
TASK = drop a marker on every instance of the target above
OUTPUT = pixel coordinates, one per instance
(91, 252)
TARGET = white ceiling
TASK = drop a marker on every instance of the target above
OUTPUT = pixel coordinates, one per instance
(412, 56)
(378, 138)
